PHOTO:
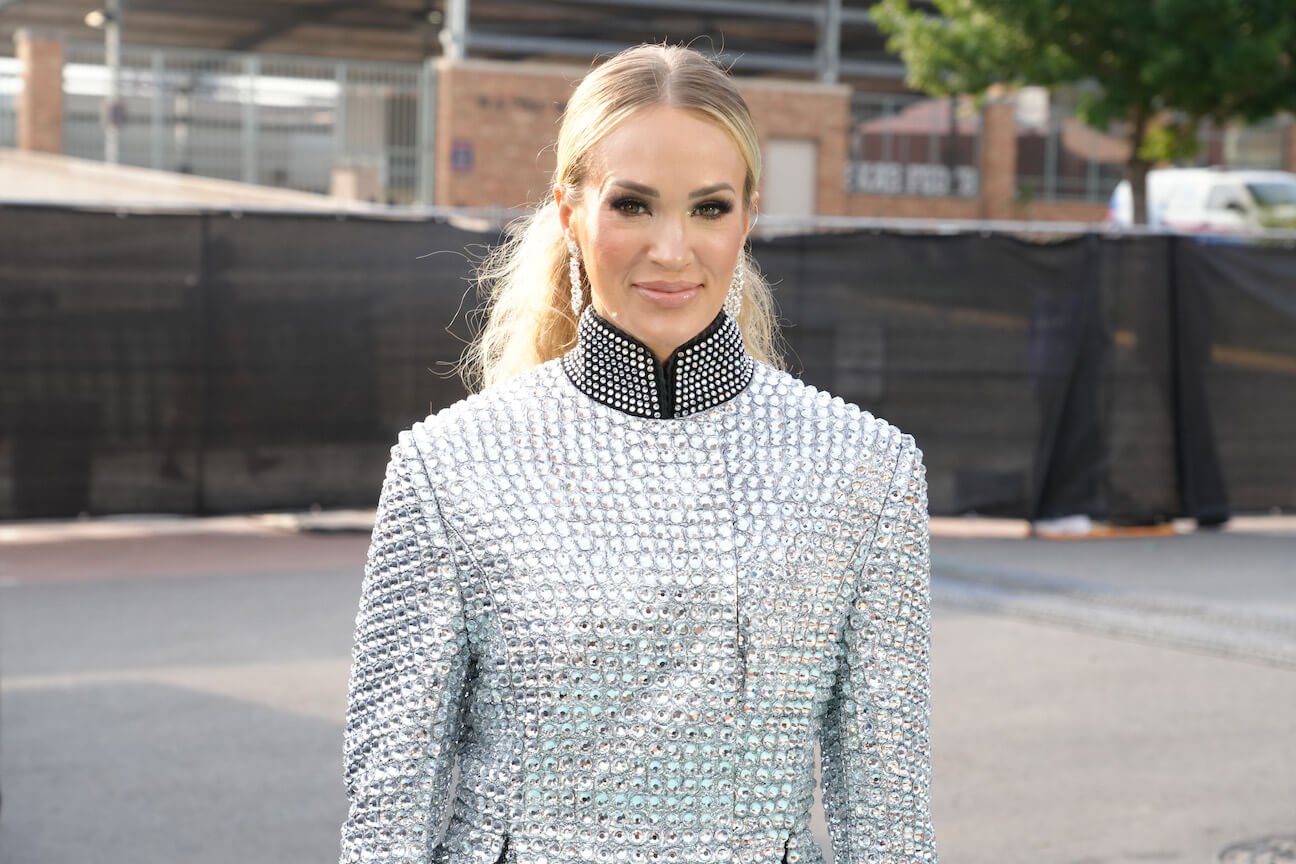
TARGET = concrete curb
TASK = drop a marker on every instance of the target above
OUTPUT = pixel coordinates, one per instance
(361, 521)
(135, 527)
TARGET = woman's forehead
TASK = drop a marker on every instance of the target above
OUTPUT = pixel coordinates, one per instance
(669, 149)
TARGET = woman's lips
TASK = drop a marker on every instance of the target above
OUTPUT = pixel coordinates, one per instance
(668, 294)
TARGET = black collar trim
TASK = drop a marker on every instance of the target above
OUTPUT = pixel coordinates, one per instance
(611, 366)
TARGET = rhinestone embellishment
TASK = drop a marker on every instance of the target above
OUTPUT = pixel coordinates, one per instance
(613, 367)
(629, 635)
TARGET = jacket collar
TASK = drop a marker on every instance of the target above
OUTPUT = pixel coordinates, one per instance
(611, 366)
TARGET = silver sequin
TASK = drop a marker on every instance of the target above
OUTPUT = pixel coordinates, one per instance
(617, 369)
(630, 631)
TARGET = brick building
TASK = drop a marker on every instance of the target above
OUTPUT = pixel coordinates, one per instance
(484, 83)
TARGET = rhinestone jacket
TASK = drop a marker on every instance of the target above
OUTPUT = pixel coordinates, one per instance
(625, 599)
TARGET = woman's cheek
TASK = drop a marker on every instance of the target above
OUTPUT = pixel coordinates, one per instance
(615, 247)
(723, 251)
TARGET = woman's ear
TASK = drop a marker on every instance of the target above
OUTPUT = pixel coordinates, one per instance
(564, 209)
(753, 212)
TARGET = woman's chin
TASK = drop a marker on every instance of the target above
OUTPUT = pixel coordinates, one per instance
(664, 336)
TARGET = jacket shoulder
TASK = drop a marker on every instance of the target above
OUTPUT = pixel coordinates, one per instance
(821, 408)
(472, 418)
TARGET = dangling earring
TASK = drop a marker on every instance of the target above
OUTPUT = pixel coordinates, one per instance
(573, 271)
(733, 297)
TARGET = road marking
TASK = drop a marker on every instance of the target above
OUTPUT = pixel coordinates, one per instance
(307, 688)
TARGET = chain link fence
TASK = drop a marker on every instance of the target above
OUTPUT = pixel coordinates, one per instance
(293, 122)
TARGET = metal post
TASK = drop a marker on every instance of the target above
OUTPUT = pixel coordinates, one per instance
(340, 116)
(952, 143)
(182, 124)
(426, 138)
(830, 20)
(251, 69)
(1051, 152)
(113, 115)
(454, 32)
(1091, 176)
(888, 108)
(157, 108)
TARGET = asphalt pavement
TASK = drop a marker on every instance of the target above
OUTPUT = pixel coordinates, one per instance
(172, 690)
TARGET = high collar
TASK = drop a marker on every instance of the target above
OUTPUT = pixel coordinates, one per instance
(611, 366)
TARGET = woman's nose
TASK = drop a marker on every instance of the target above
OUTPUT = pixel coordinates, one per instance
(670, 243)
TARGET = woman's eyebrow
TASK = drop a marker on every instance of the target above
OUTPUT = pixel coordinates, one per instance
(650, 192)
(712, 189)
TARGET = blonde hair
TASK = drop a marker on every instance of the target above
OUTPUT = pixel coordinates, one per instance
(525, 279)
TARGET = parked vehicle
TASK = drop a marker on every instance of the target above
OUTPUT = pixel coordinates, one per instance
(1211, 199)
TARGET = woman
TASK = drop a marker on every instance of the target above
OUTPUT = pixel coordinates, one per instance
(631, 583)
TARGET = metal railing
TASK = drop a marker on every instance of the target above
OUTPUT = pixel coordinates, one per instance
(11, 84)
(1060, 158)
(1258, 146)
(292, 122)
(901, 144)
(1064, 159)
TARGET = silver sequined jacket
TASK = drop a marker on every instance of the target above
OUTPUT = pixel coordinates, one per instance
(628, 598)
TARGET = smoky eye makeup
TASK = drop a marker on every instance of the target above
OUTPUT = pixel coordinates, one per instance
(715, 208)
(628, 205)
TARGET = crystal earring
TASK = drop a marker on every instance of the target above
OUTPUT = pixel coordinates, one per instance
(573, 271)
(733, 297)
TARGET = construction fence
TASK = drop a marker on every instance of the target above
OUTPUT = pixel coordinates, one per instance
(213, 362)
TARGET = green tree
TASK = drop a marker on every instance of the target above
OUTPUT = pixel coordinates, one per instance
(1159, 67)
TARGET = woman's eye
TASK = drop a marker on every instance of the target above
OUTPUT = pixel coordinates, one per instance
(630, 206)
(713, 209)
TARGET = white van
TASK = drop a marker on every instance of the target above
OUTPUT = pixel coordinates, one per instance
(1211, 199)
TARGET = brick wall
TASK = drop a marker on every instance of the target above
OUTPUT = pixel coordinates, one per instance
(912, 207)
(793, 109)
(1062, 211)
(40, 106)
(496, 124)
(998, 160)
(919, 207)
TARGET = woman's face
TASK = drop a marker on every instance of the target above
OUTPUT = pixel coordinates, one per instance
(660, 224)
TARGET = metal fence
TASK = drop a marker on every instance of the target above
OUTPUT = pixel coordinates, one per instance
(1257, 146)
(10, 86)
(1060, 157)
(902, 144)
(292, 122)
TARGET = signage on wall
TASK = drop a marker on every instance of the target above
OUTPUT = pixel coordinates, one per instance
(461, 155)
(897, 178)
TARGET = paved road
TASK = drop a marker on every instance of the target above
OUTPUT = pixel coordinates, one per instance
(179, 697)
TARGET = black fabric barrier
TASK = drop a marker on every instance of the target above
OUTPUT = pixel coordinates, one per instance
(1014, 364)
(214, 364)
(208, 363)
(1236, 323)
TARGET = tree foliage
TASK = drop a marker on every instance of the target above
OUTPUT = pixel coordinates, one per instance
(1158, 66)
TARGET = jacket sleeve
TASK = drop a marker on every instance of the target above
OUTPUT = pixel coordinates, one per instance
(408, 672)
(876, 762)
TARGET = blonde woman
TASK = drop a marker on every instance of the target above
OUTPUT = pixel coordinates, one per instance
(629, 585)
